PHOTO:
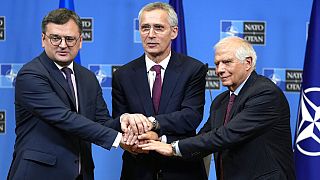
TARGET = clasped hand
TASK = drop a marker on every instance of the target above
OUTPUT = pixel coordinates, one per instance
(136, 131)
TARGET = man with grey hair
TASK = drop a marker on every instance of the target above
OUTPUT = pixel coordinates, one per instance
(168, 88)
(249, 124)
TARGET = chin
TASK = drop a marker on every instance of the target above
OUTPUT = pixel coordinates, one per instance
(63, 61)
(153, 51)
(226, 84)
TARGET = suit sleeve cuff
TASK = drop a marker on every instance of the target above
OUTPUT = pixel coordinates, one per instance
(164, 139)
(176, 150)
(117, 141)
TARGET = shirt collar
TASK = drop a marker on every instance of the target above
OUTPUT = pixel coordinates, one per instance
(236, 92)
(163, 63)
(69, 66)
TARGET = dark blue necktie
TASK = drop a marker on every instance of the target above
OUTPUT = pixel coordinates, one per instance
(156, 89)
(67, 71)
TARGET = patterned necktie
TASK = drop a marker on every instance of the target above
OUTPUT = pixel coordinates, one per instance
(67, 71)
(230, 104)
(156, 90)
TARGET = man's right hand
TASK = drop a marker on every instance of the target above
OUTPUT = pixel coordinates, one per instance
(134, 124)
(132, 148)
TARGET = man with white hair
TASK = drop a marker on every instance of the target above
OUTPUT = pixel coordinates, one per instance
(249, 124)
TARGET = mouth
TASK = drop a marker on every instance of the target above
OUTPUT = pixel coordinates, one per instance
(62, 53)
(152, 44)
(224, 78)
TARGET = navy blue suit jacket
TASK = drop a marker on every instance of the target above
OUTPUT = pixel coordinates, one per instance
(50, 134)
(256, 142)
(180, 112)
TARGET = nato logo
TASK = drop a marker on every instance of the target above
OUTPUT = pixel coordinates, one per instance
(287, 79)
(308, 131)
(252, 31)
(103, 73)
(136, 33)
(2, 28)
(276, 75)
(8, 74)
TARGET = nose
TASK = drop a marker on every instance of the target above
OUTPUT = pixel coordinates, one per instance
(151, 32)
(63, 43)
(219, 69)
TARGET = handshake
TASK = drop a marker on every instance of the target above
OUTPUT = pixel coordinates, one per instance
(137, 130)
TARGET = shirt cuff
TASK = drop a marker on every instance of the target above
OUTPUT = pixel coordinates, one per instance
(117, 141)
(163, 139)
(178, 153)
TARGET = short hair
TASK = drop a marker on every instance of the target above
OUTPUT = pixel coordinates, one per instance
(172, 15)
(61, 16)
(243, 49)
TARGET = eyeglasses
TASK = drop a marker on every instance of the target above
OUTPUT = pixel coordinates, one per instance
(157, 28)
(56, 40)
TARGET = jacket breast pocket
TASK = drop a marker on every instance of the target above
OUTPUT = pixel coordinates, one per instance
(40, 157)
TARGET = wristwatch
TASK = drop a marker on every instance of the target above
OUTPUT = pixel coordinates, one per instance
(155, 124)
(173, 146)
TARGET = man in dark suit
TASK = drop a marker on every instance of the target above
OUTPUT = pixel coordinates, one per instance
(60, 109)
(176, 111)
(250, 134)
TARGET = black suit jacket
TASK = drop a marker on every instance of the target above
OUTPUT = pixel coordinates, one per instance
(50, 134)
(256, 143)
(180, 113)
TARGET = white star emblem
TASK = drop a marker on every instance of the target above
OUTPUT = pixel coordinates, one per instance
(275, 79)
(101, 75)
(11, 75)
(311, 122)
(232, 31)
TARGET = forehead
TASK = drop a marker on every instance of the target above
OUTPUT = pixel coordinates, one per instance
(69, 28)
(157, 16)
(224, 53)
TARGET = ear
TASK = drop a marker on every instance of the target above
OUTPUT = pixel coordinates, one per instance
(248, 62)
(80, 42)
(42, 40)
(174, 32)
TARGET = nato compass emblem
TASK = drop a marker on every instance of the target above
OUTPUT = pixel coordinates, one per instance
(276, 75)
(231, 28)
(308, 134)
(8, 74)
(103, 73)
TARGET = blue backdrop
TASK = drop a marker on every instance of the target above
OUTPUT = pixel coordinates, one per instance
(276, 28)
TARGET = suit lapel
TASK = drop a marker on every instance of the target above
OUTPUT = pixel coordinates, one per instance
(79, 83)
(221, 111)
(237, 101)
(141, 85)
(56, 74)
(170, 79)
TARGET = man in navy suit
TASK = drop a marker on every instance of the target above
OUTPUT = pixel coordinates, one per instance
(249, 124)
(60, 109)
(177, 112)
